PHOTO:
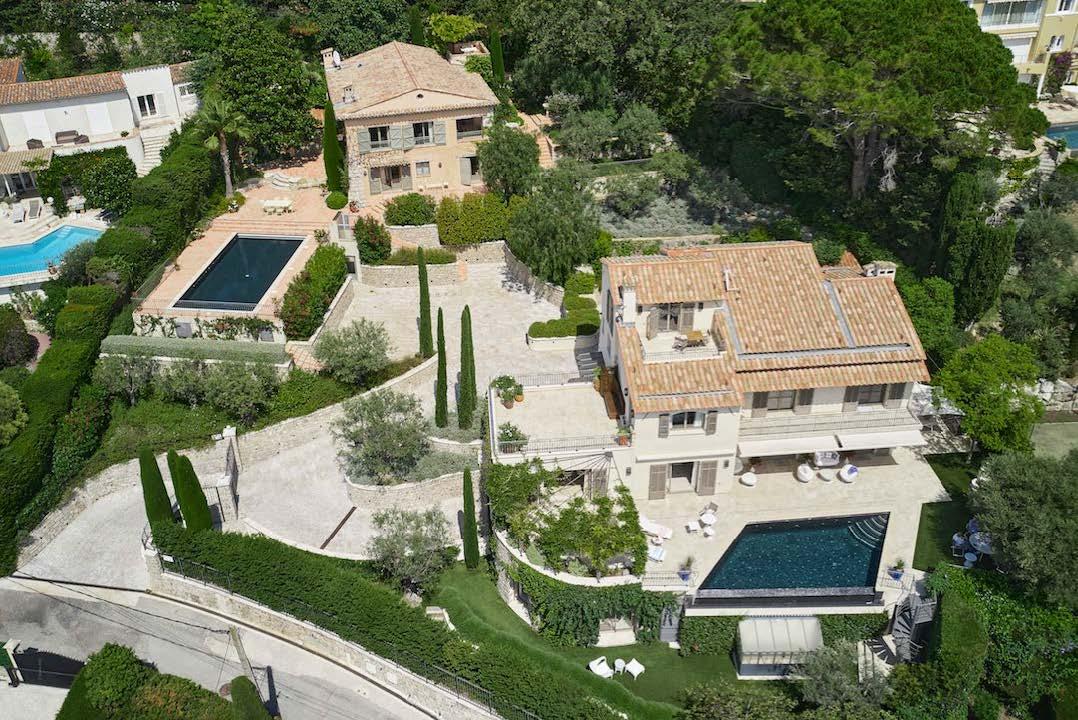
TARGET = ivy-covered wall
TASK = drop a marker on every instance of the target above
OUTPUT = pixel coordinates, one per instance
(716, 635)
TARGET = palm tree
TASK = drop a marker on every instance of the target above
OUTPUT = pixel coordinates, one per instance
(221, 122)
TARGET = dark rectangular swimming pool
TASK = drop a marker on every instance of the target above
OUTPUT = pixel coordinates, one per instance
(836, 554)
(241, 273)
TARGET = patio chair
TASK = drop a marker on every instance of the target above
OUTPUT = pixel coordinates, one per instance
(34, 210)
(34, 144)
(710, 508)
(600, 668)
(18, 213)
(635, 668)
(656, 553)
(692, 526)
(619, 666)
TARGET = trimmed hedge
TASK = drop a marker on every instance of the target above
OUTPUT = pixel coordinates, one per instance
(851, 627)
(476, 218)
(194, 348)
(76, 705)
(128, 244)
(708, 635)
(410, 256)
(154, 495)
(959, 644)
(310, 293)
(581, 314)
(168, 202)
(410, 209)
(193, 506)
(336, 200)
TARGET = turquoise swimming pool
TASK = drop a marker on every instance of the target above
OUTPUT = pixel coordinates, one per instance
(36, 256)
(1067, 132)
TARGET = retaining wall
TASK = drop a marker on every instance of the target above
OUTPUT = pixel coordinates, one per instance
(408, 275)
(425, 236)
(522, 275)
(485, 253)
(570, 342)
(471, 449)
(412, 495)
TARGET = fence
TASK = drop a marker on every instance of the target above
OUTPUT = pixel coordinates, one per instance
(552, 379)
(593, 442)
(404, 658)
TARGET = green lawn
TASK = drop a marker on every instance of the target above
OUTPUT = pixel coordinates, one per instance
(476, 609)
(941, 520)
(1055, 439)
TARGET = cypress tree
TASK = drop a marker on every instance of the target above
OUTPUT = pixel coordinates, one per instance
(426, 343)
(193, 505)
(497, 63)
(154, 494)
(441, 385)
(331, 149)
(415, 26)
(979, 260)
(471, 533)
(963, 203)
(466, 403)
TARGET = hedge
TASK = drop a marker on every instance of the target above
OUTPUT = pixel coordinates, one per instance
(708, 635)
(410, 209)
(80, 432)
(852, 627)
(246, 704)
(310, 293)
(339, 596)
(127, 244)
(154, 495)
(476, 218)
(193, 506)
(959, 644)
(410, 256)
(76, 705)
(78, 170)
(581, 314)
(194, 348)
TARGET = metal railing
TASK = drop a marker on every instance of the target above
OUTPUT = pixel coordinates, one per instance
(395, 654)
(667, 578)
(831, 422)
(529, 446)
(551, 379)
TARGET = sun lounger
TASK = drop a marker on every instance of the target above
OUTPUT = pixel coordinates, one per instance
(656, 553)
(18, 213)
(35, 209)
(654, 528)
(600, 668)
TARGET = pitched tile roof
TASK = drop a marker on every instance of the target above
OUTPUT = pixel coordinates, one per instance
(396, 69)
(181, 72)
(785, 322)
(44, 90)
(9, 70)
(14, 161)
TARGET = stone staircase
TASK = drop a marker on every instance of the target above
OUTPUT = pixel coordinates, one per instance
(534, 125)
(152, 142)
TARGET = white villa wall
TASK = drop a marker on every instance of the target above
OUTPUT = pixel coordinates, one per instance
(41, 121)
(156, 81)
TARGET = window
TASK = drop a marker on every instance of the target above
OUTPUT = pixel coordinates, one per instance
(423, 133)
(379, 137)
(422, 169)
(1020, 12)
(1065, 6)
(185, 90)
(686, 420)
(147, 107)
(781, 400)
(469, 127)
(669, 314)
(871, 394)
(1055, 44)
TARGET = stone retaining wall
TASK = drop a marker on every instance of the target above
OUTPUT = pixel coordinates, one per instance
(470, 449)
(412, 495)
(428, 698)
(425, 236)
(561, 344)
(408, 275)
(483, 253)
(522, 275)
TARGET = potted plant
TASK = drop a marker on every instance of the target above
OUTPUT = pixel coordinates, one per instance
(685, 571)
(518, 393)
(510, 438)
(898, 569)
(624, 435)
(506, 386)
(596, 381)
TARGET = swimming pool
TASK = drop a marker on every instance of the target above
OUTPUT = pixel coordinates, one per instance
(50, 248)
(241, 273)
(1067, 132)
(837, 554)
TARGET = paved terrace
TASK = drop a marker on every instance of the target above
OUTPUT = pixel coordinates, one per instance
(565, 417)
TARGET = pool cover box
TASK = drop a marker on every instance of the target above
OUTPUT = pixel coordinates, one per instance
(241, 274)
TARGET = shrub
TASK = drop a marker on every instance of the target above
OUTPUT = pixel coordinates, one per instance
(508, 161)
(638, 131)
(80, 432)
(410, 256)
(631, 195)
(960, 644)
(73, 264)
(112, 675)
(12, 417)
(383, 434)
(87, 314)
(184, 382)
(409, 547)
(708, 635)
(246, 704)
(310, 293)
(168, 697)
(80, 170)
(476, 218)
(127, 376)
(851, 627)
(831, 680)
(130, 245)
(984, 706)
(581, 313)
(50, 306)
(336, 200)
(17, 346)
(410, 209)
(193, 506)
(372, 241)
(14, 376)
(354, 353)
(107, 184)
(194, 348)
(112, 271)
(154, 495)
(588, 135)
(241, 390)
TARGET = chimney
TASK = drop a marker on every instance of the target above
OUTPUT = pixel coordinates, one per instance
(628, 302)
(881, 268)
(327, 59)
(727, 279)
(348, 96)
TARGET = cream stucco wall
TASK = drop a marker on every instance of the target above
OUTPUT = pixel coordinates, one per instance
(1038, 35)
(96, 116)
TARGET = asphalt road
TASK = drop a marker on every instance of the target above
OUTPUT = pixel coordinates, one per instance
(77, 621)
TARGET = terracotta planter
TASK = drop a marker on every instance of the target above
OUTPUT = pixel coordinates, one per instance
(623, 440)
(519, 398)
(508, 403)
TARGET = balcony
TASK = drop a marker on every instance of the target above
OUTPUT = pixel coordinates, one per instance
(673, 346)
(788, 423)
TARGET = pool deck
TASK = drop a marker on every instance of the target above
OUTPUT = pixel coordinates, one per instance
(897, 487)
(33, 232)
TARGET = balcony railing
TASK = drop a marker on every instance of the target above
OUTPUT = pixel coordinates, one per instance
(788, 424)
(552, 379)
(545, 445)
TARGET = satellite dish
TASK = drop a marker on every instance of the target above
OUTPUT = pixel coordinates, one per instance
(336, 59)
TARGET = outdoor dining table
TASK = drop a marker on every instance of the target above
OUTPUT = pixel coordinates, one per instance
(708, 518)
(694, 337)
(981, 542)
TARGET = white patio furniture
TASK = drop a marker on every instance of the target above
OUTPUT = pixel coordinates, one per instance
(33, 212)
(692, 526)
(748, 479)
(654, 528)
(827, 474)
(805, 473)
(708, 518)
(825, 458)
(656, 553)
(619, 666)
(981, 542)
(18, 213)
(709, 532)
(848, 473)
(634, 668)
(600, 668)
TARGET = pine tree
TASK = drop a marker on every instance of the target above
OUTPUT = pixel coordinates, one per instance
(441, 386)
(331, 149)
(471, 533)
(154, 494)
(466, 402)
(415, 26)
(193, 505)
(426, 343)
(497, 63)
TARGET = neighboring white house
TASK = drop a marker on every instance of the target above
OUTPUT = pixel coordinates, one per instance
(725, 354)
(134, 109)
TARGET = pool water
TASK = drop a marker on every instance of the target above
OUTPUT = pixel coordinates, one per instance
(841, 552)
(50, 248)
(241, 273)
(1066, 132)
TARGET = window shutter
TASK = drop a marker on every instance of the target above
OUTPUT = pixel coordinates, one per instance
(407, 136)
(849, 402)
(705, 478)
(896, 393)
(395, 138)
(439, 132)
(465, 171)
(376, 184)
(598, 481)
(406, 177)
(803, 404)
(653, 324)
(711, 422)
(363, 138)
(684, 319)
(664, 425)
(759, 404)
(657, 482)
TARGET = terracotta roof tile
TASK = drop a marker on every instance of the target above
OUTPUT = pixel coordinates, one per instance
(9, 70)
(681, 385)
(832, 376)
(45, 90)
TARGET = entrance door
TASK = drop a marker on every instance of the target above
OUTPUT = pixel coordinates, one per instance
(681, 477)
(657, 481)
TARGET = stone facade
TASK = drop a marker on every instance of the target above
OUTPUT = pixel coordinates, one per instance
(408, 275)
(488, 252)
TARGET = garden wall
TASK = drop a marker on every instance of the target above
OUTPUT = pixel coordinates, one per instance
(429, 699)
(469, 449)
(425, 236)
(570, 342)
(522, 275)
(408, 275)
(488, 252)
(410, 495)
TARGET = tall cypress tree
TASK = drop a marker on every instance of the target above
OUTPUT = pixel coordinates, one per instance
(415, 26)
(497, 63)
(426, 342)
(441, 385)
(331, 148)
(471, 533)
(193, 505)
(466, 402)
(154, 494)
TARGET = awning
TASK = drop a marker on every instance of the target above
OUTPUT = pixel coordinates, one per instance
(873, 441)
(13, 162)
(786, 446)
(778, 640)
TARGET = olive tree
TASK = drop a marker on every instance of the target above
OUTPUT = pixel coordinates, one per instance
(410, 547)
(126, 376)
(381, 436)
(355, 352)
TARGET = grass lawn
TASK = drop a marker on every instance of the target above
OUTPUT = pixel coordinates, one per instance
(476, 609)
(941, 520)
(1055, 439)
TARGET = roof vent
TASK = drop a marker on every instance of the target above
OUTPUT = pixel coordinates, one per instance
(419, 95)
(727, 279)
